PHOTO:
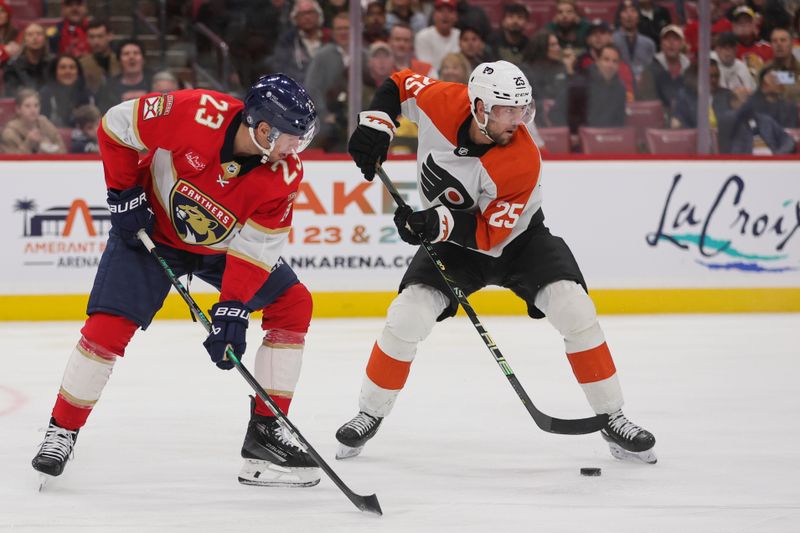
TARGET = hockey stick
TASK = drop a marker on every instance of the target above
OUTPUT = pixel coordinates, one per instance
(547, 423)
(364, 503)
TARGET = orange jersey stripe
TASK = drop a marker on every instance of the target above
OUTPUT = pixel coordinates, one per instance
(386, 371)
(592, 365)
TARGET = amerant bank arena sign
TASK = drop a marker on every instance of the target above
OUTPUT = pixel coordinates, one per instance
(631, 224)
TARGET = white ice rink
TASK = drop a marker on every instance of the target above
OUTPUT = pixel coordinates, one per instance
(459, 452)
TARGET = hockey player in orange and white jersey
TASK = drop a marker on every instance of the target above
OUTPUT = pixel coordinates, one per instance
(479, 180)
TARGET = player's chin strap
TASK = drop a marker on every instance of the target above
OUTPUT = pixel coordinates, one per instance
(482, 127)
(264, 151)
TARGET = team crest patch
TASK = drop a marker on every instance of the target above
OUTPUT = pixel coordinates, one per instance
(153, 107)
(198, 218)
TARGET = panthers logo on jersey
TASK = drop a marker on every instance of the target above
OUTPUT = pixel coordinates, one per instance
(197, 218)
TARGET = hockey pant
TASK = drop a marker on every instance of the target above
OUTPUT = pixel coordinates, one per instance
(105, 337)
(413, 313)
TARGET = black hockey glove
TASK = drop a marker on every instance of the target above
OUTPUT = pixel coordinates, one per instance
(369, 143)
(434, 224)
(228, 328)
(130, 212)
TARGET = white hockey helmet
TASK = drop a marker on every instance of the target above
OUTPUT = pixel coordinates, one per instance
(499, 83)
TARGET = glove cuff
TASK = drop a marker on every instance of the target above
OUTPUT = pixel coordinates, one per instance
(446, 224)
(230, 311)
(377, 120)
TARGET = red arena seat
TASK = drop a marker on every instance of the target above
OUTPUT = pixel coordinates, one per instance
(660, 141)
(608, 140)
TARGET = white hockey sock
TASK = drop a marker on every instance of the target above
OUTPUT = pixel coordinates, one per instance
(278, 362)
(88, 370)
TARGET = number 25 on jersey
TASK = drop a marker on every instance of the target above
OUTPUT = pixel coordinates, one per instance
(506, 215)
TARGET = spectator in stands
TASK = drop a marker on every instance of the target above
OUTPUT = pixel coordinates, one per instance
(750, 132)
(297, 46)
(684, 107)
(652, 19)
(663, 77)
(636, 49)
(29, 69)
(401, 41)
(598, 36)
(546, 68)
(509, 41)
(734, 74)
(474, 48)
(102, 63)
(380, 65)
(455, 68)
(331, 8)
(84, 136)
(773, 15)
(596, 99)
(770, 99)
(473, 16)
(406, 12)
(326, 83)
(30, 132)
(133, 80)
(441, 38)
(64, 91)
(164, 81)
(375, 23)
(69, 35)
(787, 67)
(251, 46)
(569, 27)
(750, 49)
(9, 47)
(720, 23)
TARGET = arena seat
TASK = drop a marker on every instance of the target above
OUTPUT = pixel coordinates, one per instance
(666, 141)
(608, 140)
(556, 140)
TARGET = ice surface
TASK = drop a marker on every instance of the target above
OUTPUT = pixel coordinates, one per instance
(459, 452)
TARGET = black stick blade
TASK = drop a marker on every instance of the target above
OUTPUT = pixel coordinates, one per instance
(579, 426)
(367, 503)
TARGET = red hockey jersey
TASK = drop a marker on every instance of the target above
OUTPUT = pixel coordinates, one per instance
(179, 148)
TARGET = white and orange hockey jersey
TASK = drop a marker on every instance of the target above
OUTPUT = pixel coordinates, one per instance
(499, 185)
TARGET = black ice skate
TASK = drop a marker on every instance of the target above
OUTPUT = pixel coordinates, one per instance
(272, 459)
(628, 441)
(354, 434)
(55, 451)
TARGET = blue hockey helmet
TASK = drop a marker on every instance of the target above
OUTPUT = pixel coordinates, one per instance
(285, 105)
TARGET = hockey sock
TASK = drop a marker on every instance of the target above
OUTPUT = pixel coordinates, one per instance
(89, 368)
(573, 314)
(277, 368)
(409, 320)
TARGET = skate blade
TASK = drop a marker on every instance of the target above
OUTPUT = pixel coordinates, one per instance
(647, 456)
(44, 479)
(265, 474)
(346, 452)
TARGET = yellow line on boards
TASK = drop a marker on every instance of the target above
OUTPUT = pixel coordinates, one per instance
(490, 302)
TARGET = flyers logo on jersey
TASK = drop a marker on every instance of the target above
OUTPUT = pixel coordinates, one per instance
(198, 218)
(437, 183)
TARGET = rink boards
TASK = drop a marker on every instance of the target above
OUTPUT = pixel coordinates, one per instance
(650, 236)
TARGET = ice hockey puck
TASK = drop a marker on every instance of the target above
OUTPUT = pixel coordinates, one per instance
(590, 471)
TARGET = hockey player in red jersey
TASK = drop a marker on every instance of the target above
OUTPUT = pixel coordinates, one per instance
(479, 180)
(213, 180)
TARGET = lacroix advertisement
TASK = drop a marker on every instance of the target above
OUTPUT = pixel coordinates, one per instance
(630, 224)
